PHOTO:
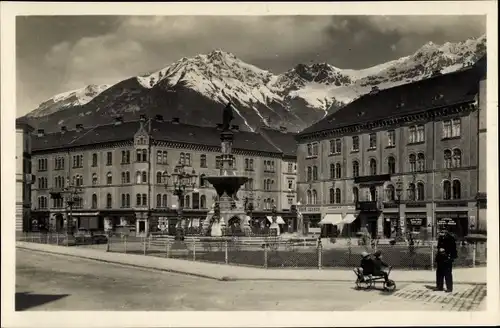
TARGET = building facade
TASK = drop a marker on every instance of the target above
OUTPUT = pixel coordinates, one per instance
(23, 175)
(411, 155)
(117, 173)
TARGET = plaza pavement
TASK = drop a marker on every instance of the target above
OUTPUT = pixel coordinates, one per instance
(232, 272)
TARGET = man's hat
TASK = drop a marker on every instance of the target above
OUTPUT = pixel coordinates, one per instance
(377, 253)
(364, 254)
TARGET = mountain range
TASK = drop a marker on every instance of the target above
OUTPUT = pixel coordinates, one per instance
(195, 90)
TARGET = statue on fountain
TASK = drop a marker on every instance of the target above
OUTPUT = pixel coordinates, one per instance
(227, 117)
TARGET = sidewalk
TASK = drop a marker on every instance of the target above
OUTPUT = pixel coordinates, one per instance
(231, 272)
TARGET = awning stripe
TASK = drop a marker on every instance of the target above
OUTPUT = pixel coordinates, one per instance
(279, 220)
(331, 219)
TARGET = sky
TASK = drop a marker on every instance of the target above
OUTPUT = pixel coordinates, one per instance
(55, 54)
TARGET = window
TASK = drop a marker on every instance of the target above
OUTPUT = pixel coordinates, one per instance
(247, 167)
(218, 162)
(457, 157)
(332, 171)
(164, 202)
(338, 196)
(42, 202)
(309, 150)
(94, 179)
(413, 163)
(109, 178)
(251, 164)
(355, 169)
(391, 165)
(94, 201)
(390, 193)
(159, 177)
(455, 127)
(420, 191)
(315, 173)
(165, 157)
(411, 192)
(315, 197)
(355, 143)
(159, 157)
(202, 180)
(59, 163)
(336, 146)
(290, 167)
(138, 177)
(420, 133)
(58, 203)
(109, 201)
(203, 201)
(447, 129)
(290, 183)
(187, 201)
(124, 201)
(138, 200)
(332, 195)
(373, 167)
(391, 138)
(187, 159)
(125, 156)
(78, 202)
(127, 177)
(420, 162)
(203, 160)
(42, 164)
(338, 171)
(355, 194)
(42, 183)
(94, 159)
(59, 182)
(456, 189)
(196, 200)
(315, 147)
(447, 159)
(144, 177)
(158, 200)
(128, 200)
(309, 173)
(77, 161)
(109, 158)
(412, 134)
(373, 141)
(446, 190)
(141, 155)
(309, 197)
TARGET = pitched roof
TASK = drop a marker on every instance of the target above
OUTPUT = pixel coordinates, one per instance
(167, 131)
(437, 91)
(285, 141)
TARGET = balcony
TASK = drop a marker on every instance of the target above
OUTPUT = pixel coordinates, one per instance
(368, 206)
(372, 179)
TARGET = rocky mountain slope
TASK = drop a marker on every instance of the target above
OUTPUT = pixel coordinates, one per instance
(196, 89)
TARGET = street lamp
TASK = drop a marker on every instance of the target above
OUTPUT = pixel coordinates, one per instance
(182, 183)
(399, 192)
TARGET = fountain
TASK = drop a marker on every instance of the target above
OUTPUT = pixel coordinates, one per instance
(227, 183)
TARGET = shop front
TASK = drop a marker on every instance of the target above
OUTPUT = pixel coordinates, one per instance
(339, 221)
(415, 222)
(311, 217)
(389, 225)
(456, 222)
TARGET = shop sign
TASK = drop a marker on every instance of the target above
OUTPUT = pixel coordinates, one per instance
(415, 221)
(446, 221)
(308, 209)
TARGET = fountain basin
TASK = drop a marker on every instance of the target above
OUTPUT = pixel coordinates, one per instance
(228, 185)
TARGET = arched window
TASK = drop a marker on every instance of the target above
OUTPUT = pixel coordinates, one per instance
(247, 164)
(124, 201)
(128, 200)
(144, 177)
(420, 162)
(138, 155)
(144, 155)
(420, 191)
(456, 189)
(332, 195)
(138, 200)
(391, 165)
(94, 179)
(315, 172)
(355, 194)
(158, 200)
(355, 169)
(315, 197)
(457, 158)
(309, 173)
(391, 195)
(372, 192)
(164, 200)
(94, 159)
(187, 202)
(159, 159)
(165, 154)
(127, 177)
(203, 161)
(94, 201)
(411, 191)
(144, 200)
(109, 201)
(446, 190)
(338, 171)
(447, 159)
(332, 171)
(109, 178)
(182, 159)
(124, 178)
(373, 167)
(309, 197)
(251, 164)
(338, 196)
(138, 176)
(413, 163)
(202, 182)
(203, 201)
(158, 177)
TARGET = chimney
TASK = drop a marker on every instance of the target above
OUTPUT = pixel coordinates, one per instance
(159, 118)
(79, 127)
(175, 120)
(283, 129)
(64, 129)
(374, 90)
(118, 120)
(235, 127)
(40, 132)
(142, 118)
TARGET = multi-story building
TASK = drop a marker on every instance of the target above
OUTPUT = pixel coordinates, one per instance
(23, 174)
(412, 155)
(121, 172)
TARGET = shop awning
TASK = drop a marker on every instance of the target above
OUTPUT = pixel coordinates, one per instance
(279, 220)
(331, 219)
(349, 218)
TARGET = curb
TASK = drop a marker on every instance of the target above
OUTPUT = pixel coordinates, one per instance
(231, 278)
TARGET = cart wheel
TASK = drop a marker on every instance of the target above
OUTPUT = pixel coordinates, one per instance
(390, 285)
(363, 284)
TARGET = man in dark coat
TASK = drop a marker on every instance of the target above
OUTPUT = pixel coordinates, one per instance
(446, 254)
(380, 266)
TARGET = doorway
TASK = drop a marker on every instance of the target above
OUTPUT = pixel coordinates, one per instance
(387, 228)
(142, 226)
(372, 227)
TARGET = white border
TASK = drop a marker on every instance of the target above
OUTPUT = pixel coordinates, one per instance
(8, 12)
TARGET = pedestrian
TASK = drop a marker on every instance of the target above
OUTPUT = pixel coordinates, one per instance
(447, 253)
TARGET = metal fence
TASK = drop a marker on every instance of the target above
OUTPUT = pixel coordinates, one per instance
(273, 252)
